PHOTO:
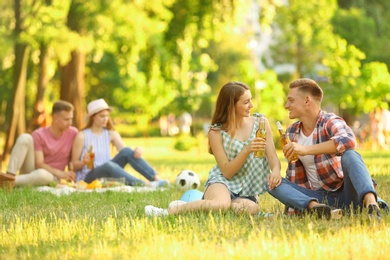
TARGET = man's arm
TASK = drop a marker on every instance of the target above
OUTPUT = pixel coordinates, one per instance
(327, 147)
(40, 164)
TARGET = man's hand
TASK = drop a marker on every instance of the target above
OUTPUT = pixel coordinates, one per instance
(67, 175)
(293, 148)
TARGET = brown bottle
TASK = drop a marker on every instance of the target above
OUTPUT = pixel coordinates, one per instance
(261, 133)
(91, 163)
(70, 167)
(285, 139)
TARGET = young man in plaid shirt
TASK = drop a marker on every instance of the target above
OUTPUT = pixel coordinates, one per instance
(329, 174)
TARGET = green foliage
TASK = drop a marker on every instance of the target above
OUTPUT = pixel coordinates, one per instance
(151, 57)
(185, 142)
(376, 79)
(303, 36)
(343, 63)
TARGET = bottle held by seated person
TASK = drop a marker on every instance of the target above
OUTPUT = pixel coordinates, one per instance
(91, 154)
(285, 139)
(261, 133)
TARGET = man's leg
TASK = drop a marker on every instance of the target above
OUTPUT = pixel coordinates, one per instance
(358, 188)
(39, 177)
(292, 195)
(22, 159)
(22, 156)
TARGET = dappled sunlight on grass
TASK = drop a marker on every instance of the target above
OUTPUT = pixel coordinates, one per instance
(112, 225)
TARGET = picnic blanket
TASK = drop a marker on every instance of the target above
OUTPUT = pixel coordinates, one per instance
(68, 190)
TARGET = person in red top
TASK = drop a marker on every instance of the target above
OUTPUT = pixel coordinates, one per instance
(42, 157)
(329, 170)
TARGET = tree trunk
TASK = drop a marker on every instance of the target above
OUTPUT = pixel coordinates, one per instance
(72, 74)
(17, 124)
(39, 116)
(72, 86)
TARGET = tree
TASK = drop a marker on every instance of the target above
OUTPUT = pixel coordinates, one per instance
(301, 36)
(343, 64)
(372, 17)
(17, 123)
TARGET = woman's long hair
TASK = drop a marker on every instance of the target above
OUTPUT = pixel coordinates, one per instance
(109, 125)
(225, 112)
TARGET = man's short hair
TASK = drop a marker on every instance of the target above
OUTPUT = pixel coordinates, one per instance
(62, 105)
(308, 86)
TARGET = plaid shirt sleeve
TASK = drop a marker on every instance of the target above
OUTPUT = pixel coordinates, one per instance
(334, 128)
(328, 127)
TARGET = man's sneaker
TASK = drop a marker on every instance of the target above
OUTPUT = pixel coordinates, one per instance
(374, 212)
(327, 212)
(176, 203)
(154, 211)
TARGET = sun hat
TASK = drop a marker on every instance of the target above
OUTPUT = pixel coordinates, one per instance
(96, 106)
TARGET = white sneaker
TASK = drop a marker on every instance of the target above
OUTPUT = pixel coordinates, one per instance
(154, 211)
(159, 183)
(176, 203)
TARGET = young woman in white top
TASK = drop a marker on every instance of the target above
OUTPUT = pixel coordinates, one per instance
(99, 133)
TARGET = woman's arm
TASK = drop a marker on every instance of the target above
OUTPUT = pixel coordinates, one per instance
(116, 140)
(228, 168)
(274, 178)
(77, 149)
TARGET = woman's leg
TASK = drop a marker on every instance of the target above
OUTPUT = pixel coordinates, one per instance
(126, 155)
(216, 198)
(243, 205)
(113, 170)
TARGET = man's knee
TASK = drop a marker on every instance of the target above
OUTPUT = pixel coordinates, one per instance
(37, 177)
(43, 177)
(25, 139)
(350, 157)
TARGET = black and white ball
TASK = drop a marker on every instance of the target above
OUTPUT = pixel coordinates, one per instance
(187, 180)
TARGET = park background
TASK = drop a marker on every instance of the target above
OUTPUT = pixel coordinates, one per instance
(151, 59)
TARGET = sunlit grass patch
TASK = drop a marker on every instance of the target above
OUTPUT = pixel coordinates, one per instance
(112, 225)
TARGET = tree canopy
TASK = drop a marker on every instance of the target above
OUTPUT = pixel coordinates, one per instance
(148, 58)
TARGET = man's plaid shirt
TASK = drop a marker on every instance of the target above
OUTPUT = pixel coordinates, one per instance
(328, 127)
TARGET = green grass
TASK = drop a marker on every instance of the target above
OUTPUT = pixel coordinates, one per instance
(112, 225)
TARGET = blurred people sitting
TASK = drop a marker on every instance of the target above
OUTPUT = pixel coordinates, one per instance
(98, 135)
(42, 157)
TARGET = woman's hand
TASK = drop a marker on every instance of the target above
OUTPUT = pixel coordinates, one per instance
(137, 152)
(257, 144)
(86, 158)
(274, 180)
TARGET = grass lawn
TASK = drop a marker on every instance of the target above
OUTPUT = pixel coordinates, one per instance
(112, 225)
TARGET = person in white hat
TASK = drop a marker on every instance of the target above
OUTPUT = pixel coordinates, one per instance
(98, 135)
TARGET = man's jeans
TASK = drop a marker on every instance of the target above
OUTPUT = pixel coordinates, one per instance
(114, 168)
(357, 182)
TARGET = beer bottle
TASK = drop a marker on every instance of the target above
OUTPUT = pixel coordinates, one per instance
(285, 139)
(261, 133)
(91, 154)
(70, 167)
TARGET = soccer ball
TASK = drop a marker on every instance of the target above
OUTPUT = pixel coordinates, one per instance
(187, 180)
